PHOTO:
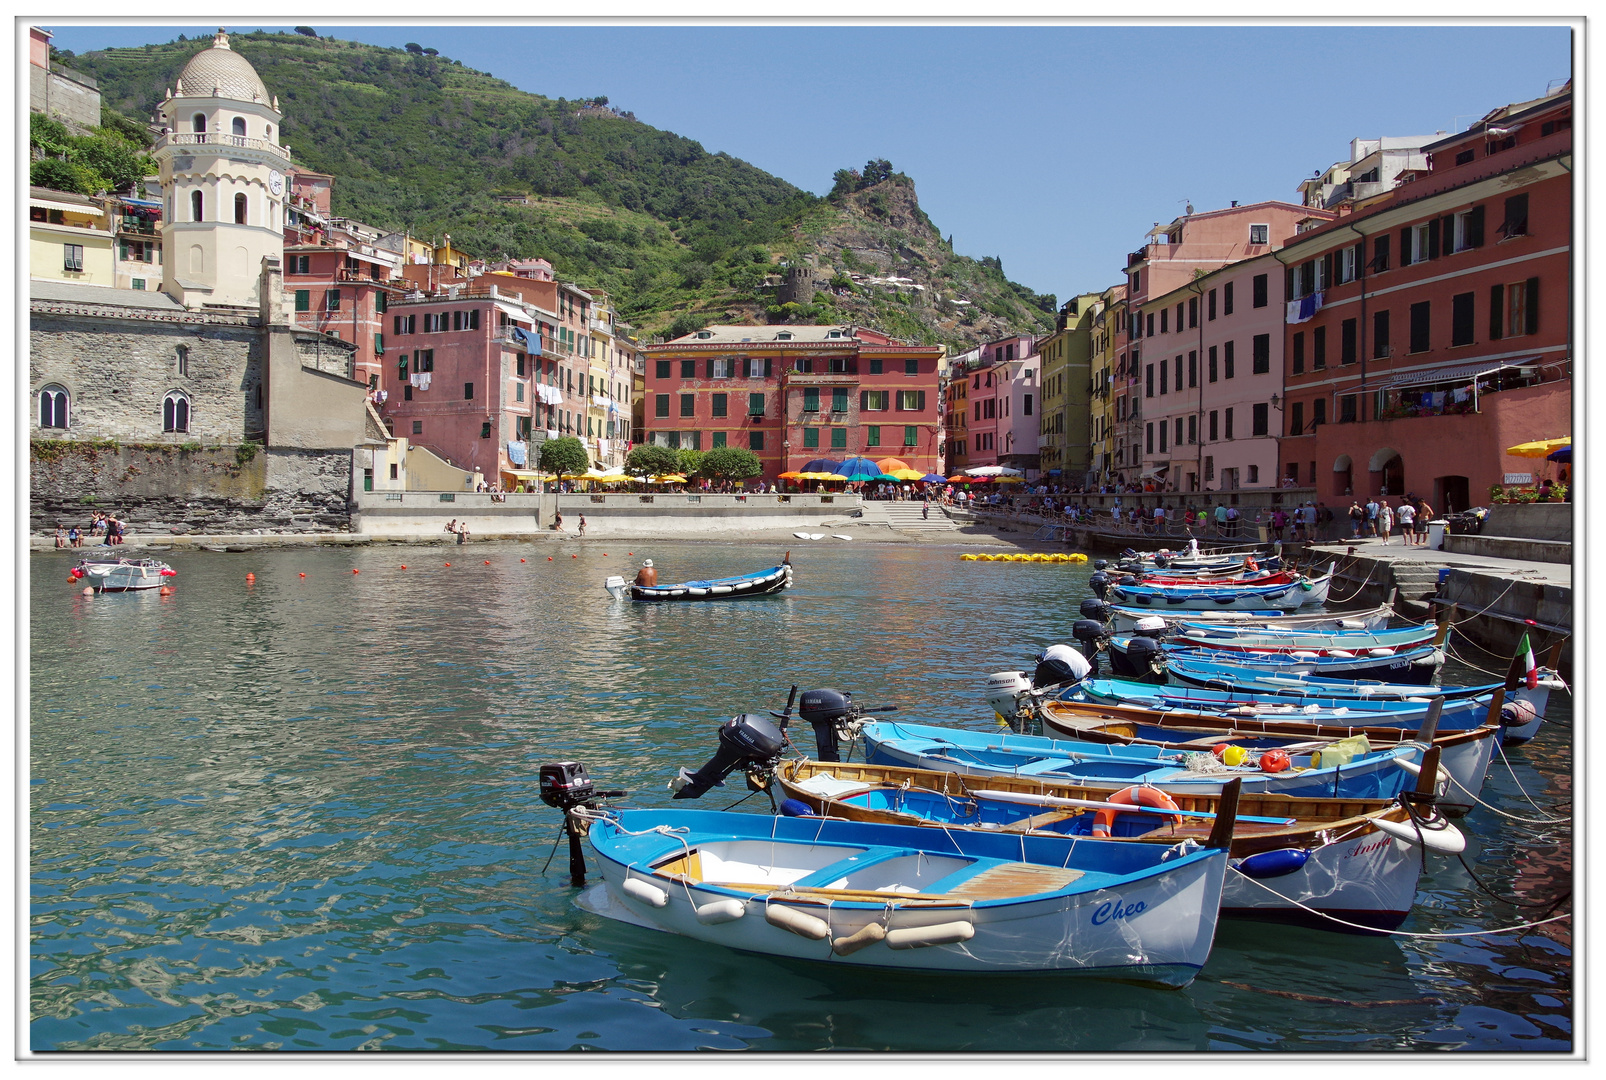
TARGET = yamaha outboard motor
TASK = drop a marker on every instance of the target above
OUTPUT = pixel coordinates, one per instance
(747, 741)
(1100, 564)
(1088, 632)
(1099, 583)
(824, 710)
(1137, 660)
(1162, 561)
(1095, 609)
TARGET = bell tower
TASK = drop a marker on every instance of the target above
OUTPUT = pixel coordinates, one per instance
(223, 180)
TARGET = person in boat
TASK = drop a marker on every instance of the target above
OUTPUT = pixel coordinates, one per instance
(648, 575)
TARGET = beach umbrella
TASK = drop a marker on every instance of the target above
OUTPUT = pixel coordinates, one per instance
(934, 478)
(1539, 448)
(821, 465)
(1008, 480)
(789, 476)
(993, 470)
(1564, 455)
(857, 468)
(891, 464)
(669, 478)
(808, 474)
(887, 478)
(906, 474)
(961, 479)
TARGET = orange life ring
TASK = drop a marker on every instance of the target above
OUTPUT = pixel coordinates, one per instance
(1142, 795)
(1251, 564)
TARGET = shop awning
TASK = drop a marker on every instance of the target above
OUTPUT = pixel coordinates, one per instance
(522, 474)
(1154, 470)
(1465, 373)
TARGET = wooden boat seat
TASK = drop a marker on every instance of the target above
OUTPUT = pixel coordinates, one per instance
(1014, 879)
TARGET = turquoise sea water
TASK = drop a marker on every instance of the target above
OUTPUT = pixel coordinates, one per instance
(303, 814)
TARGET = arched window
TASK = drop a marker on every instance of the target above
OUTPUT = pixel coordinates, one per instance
(239, 125)
(200, 122)
(176, 411)
(196, 205)
(268, 133)
(53, 406)
(239, 209)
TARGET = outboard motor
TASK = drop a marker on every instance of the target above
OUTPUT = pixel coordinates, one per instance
(1162, 561)
(1095, 609)
(1140, 659)
(1100, 564)
(834, 718)
(1006, 692)
(1058, 665)
(1089, 632)
(1099, 583)
(567, 786)
(1151, 626)
(747, 741)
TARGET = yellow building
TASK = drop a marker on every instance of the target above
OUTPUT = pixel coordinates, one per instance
(1109, 332)
(69, 239)
(1063, 445)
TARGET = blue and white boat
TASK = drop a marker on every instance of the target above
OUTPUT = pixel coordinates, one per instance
(1289, 596)
(1124, 619)
(1419, 665)
(767, 582)
(1323, 642)
(910, 898)
(1360, 710)
(1381, 774)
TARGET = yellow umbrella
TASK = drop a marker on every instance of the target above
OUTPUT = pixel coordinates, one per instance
(906, 473)
(789, 476)
(820, 476)
(1008, 480)
(612, 479)
(669, 478)
(1540, 448)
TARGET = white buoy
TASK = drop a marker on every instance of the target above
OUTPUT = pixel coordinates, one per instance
(721, 911)
(797, 922)
(920, 937)
(1447, 841)
(647, 894)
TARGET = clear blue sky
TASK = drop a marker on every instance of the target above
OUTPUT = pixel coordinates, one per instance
(1053, 147)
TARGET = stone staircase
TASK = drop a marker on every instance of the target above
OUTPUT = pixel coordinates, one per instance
(905, 516)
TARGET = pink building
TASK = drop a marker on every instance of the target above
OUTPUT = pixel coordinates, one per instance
(1177, 323)
(1211, 382)
(471, 379)
(1003, 396)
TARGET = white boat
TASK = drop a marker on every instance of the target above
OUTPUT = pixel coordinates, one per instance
(911, 898)
(1124, 619)
(123, 575)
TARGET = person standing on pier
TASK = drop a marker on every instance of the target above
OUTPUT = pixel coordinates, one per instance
(1385, 520)
(1407, 515)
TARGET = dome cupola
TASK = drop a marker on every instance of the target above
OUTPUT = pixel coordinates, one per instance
(221, 72)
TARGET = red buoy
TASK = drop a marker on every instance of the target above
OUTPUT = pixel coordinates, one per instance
(448, 564)
(521, 560)
(1274, 761)
(487, 562)
(354, 570)
(250, 577)
(164, 591)
(303, 575)
(404, 566)
(549, 558)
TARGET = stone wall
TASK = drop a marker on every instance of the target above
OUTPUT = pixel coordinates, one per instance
(66, 95)
(117, 372)
(164, 488)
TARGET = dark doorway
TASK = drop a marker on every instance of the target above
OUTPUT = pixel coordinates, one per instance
(1451, 494)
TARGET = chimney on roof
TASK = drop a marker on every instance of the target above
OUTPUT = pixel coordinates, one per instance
(1235, 202)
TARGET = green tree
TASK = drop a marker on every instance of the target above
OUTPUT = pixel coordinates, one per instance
(120, 164)
(415, 48)
(731, 463)
(686, 323)
(48, 136)
(651, 460)
(304, 30)
(564, 456)
(688, 462)
(59, 175)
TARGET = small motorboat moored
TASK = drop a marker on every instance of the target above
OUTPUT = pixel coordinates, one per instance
(123, 575)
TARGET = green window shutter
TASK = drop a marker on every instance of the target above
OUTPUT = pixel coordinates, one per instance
(379, 344)
(709, 367)
(872, 435)
(839, 399)
(920, 401)
(811, 438)
(755, 404)
(864, 400)
(875, 366)
(755, 440)
(1433, 239)
(768, 367)
(303, 299)
(839, 438)
(401, 366)
(1405, 247)
(911, 436)
(1475, 227)
(381, 302)
(718, 440)
(1531, 324)
(811, 399)
(1497, 308)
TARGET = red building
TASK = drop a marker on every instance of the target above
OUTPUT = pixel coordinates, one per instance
(794, 393)
(1430, 328)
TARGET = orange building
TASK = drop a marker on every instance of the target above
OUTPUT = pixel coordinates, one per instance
(795, 393)
(1431, 328)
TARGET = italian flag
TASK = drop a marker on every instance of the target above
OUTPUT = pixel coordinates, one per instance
(1527, 650)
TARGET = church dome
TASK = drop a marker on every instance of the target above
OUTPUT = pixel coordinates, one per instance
(221, 72)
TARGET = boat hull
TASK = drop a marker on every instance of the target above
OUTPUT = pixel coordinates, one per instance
(1350, 869)
(1152, 927)
(1125, 619)
(770, 582)
(124, 576)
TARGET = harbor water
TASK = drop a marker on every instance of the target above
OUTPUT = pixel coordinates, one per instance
(301, 813)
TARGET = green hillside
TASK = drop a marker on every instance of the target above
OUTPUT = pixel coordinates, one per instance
(423, 143)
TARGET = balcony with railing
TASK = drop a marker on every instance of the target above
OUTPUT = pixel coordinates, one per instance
(219, 138)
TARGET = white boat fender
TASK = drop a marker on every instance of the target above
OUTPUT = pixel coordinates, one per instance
(852, 943)
(637, 889)
(720, 590)
(721, 911)
(1272, 864)
(1416, 770)
(1379, 652)
(1304, 654)
(799, 923)
(696, 592)
(1343, 654)
(677, 592)
(920, 937)
(1446, 840)
(1352, 624)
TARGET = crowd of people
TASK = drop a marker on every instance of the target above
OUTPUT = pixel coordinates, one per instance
(1378, 518)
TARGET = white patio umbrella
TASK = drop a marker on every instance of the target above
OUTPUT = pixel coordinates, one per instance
(992, 470)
